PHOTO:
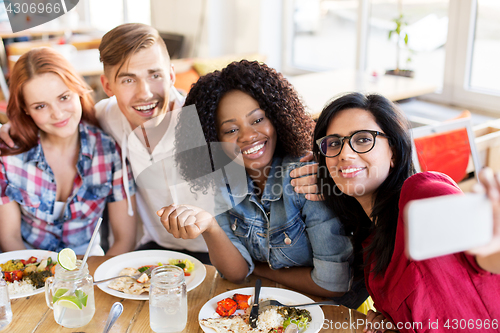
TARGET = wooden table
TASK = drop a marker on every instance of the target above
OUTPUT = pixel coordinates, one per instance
(31, 314)
(41, 30)
(318, 88)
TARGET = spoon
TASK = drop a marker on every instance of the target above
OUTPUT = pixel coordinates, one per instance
(114, 313)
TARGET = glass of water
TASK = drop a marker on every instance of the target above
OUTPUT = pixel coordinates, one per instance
(167, 300)
(71, 295)
(5, 309)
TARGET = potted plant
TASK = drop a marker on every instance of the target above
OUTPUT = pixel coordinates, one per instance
(401, 37)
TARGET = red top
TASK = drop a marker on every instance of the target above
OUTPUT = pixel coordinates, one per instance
(445, 294)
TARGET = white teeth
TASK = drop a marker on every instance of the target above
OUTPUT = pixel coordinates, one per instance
(146, 107)
(254, 149)
(351, 170)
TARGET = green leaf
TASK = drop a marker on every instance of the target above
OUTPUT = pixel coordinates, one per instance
(58, 294)
(143, 269)
(181, 265)
(82, 297)
(406, 39)
(390, 33)
(84, 300)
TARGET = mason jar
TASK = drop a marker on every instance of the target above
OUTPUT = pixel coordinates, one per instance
(167, 300)
(5, 309)
(71, 295)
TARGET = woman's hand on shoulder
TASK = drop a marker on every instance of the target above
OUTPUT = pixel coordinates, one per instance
(185, 221)
(305, 179)
(376, 322)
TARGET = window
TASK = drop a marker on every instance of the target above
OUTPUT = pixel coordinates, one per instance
(105, 15)
(453, 44)
(485, 73)
(322, 34)
(426, 27)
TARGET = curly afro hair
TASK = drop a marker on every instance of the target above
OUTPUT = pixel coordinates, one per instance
(275, 96)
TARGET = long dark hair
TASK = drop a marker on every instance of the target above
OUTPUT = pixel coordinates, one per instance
(385, 207)
(276, 97)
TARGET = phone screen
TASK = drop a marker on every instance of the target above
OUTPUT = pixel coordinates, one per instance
(447, 224)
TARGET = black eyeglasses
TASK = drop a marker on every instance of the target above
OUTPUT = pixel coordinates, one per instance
(360, 141)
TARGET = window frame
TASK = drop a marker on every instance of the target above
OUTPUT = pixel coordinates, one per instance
(458, 54)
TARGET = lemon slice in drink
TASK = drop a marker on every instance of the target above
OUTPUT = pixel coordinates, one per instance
(67, 259)
(70, 302)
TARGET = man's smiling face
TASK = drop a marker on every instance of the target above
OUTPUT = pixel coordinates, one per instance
(142, 85)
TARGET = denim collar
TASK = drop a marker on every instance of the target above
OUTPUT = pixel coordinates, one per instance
(274, 184)
(35, 154)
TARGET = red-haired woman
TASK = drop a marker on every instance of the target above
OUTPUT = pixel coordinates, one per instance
(55, 183)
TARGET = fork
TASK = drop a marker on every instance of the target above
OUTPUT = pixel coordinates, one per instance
(135, 276)
(272, 302)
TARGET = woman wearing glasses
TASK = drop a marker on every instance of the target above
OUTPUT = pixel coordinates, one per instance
(363, 146)
(274, 232)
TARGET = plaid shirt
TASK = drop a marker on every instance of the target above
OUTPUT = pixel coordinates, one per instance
(28, 179)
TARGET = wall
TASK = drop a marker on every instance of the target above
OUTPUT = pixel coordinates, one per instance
(181, 16)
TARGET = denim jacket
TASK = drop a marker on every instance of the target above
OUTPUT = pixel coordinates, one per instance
(284, 229)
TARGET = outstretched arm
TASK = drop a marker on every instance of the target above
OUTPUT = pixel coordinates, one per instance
(188, 222)
(10, 227)
(123, 227)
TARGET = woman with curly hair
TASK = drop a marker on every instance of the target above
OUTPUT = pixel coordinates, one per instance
(273, 232)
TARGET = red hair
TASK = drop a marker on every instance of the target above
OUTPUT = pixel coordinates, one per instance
(36, 62)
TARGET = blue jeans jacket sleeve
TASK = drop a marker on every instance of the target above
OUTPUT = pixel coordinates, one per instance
(225, 220)
(332, 250)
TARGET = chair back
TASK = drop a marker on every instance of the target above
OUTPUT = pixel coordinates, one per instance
(446, 147)
(174, 43)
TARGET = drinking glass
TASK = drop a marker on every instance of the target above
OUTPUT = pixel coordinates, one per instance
(71, 295)
(167, 300)
(5, 309)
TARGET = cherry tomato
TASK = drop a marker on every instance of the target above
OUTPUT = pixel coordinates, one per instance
(16, 275)
(31, 260)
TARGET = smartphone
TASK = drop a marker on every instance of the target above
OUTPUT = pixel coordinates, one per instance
(447, 224)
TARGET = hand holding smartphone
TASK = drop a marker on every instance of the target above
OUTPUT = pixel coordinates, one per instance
(447, 224)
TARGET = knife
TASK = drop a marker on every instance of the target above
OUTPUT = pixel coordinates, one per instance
(254, 313)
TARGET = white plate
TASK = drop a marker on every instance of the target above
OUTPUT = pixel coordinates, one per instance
(24, 255)
(283, 295)
(136, 259)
